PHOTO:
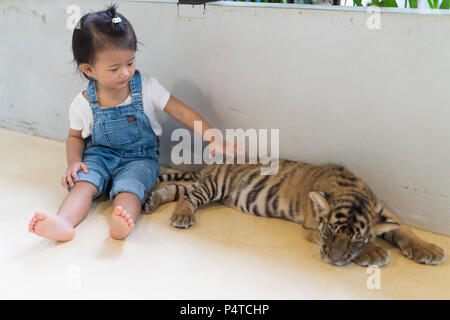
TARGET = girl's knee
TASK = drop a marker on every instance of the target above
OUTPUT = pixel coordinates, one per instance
(85, 186)
(127, 196)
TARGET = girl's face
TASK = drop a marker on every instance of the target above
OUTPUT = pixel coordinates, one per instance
(112, 68)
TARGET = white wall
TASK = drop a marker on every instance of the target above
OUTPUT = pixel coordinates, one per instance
(376, 101)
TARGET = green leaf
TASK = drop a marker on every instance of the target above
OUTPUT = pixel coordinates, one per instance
(358, 3)
(385, 3)
(412, 3)
(390, 3)
(445, 4)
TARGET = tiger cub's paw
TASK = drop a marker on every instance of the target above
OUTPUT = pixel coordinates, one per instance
(151, 203)
(372, 255)
(182, 220)
(423, 252)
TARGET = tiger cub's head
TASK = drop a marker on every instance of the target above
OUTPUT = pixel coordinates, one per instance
(346, 222)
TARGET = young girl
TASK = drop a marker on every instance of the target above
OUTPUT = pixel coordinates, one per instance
(113, 137)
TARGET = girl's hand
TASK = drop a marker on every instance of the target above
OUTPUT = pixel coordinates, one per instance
(220, 146)
(71, 173)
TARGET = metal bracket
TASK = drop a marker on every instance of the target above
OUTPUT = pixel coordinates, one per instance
(192, 8)
(194, 1)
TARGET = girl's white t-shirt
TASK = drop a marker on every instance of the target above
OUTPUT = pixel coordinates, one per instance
(154, 96)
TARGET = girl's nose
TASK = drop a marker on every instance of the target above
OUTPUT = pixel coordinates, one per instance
(125, 73)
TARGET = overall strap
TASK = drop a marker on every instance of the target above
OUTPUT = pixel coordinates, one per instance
(136, 89)
(92, 97)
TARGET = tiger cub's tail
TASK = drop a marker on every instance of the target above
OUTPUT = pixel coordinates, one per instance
(178, 176)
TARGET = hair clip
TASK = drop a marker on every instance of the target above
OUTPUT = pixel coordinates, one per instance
(116, 20)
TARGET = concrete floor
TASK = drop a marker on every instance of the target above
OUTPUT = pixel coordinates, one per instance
(227, 255)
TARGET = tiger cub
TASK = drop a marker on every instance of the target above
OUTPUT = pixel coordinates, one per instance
(337, 209)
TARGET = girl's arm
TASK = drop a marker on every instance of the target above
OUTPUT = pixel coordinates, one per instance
(74, 153)
(74, 146)
(186, 115)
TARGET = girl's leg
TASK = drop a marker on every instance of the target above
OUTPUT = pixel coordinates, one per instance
(128, 190)
(127, 207)
(73, 210)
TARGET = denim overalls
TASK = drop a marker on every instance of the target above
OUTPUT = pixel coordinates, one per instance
(123, 151)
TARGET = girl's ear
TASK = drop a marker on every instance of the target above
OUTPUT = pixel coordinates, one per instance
(87, 69)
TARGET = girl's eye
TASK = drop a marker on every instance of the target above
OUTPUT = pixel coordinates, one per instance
(114, 70)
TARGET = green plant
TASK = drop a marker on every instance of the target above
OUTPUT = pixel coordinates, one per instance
(385, 3)
(445, 4)
(434, 4)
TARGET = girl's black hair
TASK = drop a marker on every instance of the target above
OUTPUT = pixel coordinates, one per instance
(96, 32)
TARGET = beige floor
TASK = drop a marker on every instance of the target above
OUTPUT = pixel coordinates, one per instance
(227, 255)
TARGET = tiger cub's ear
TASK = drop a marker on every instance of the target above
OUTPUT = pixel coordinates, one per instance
(320, 203)
(385, 223)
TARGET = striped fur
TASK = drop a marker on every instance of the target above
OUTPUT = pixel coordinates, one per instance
(337, 210)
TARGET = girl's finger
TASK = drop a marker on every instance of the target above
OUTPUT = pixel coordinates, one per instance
(240, 148)
(69, 179)
(84, 167)
(65, 180)
(74, 175)
(228, 153)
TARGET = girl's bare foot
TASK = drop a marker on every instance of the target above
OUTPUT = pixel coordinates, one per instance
(122, 224)
(51, 227)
